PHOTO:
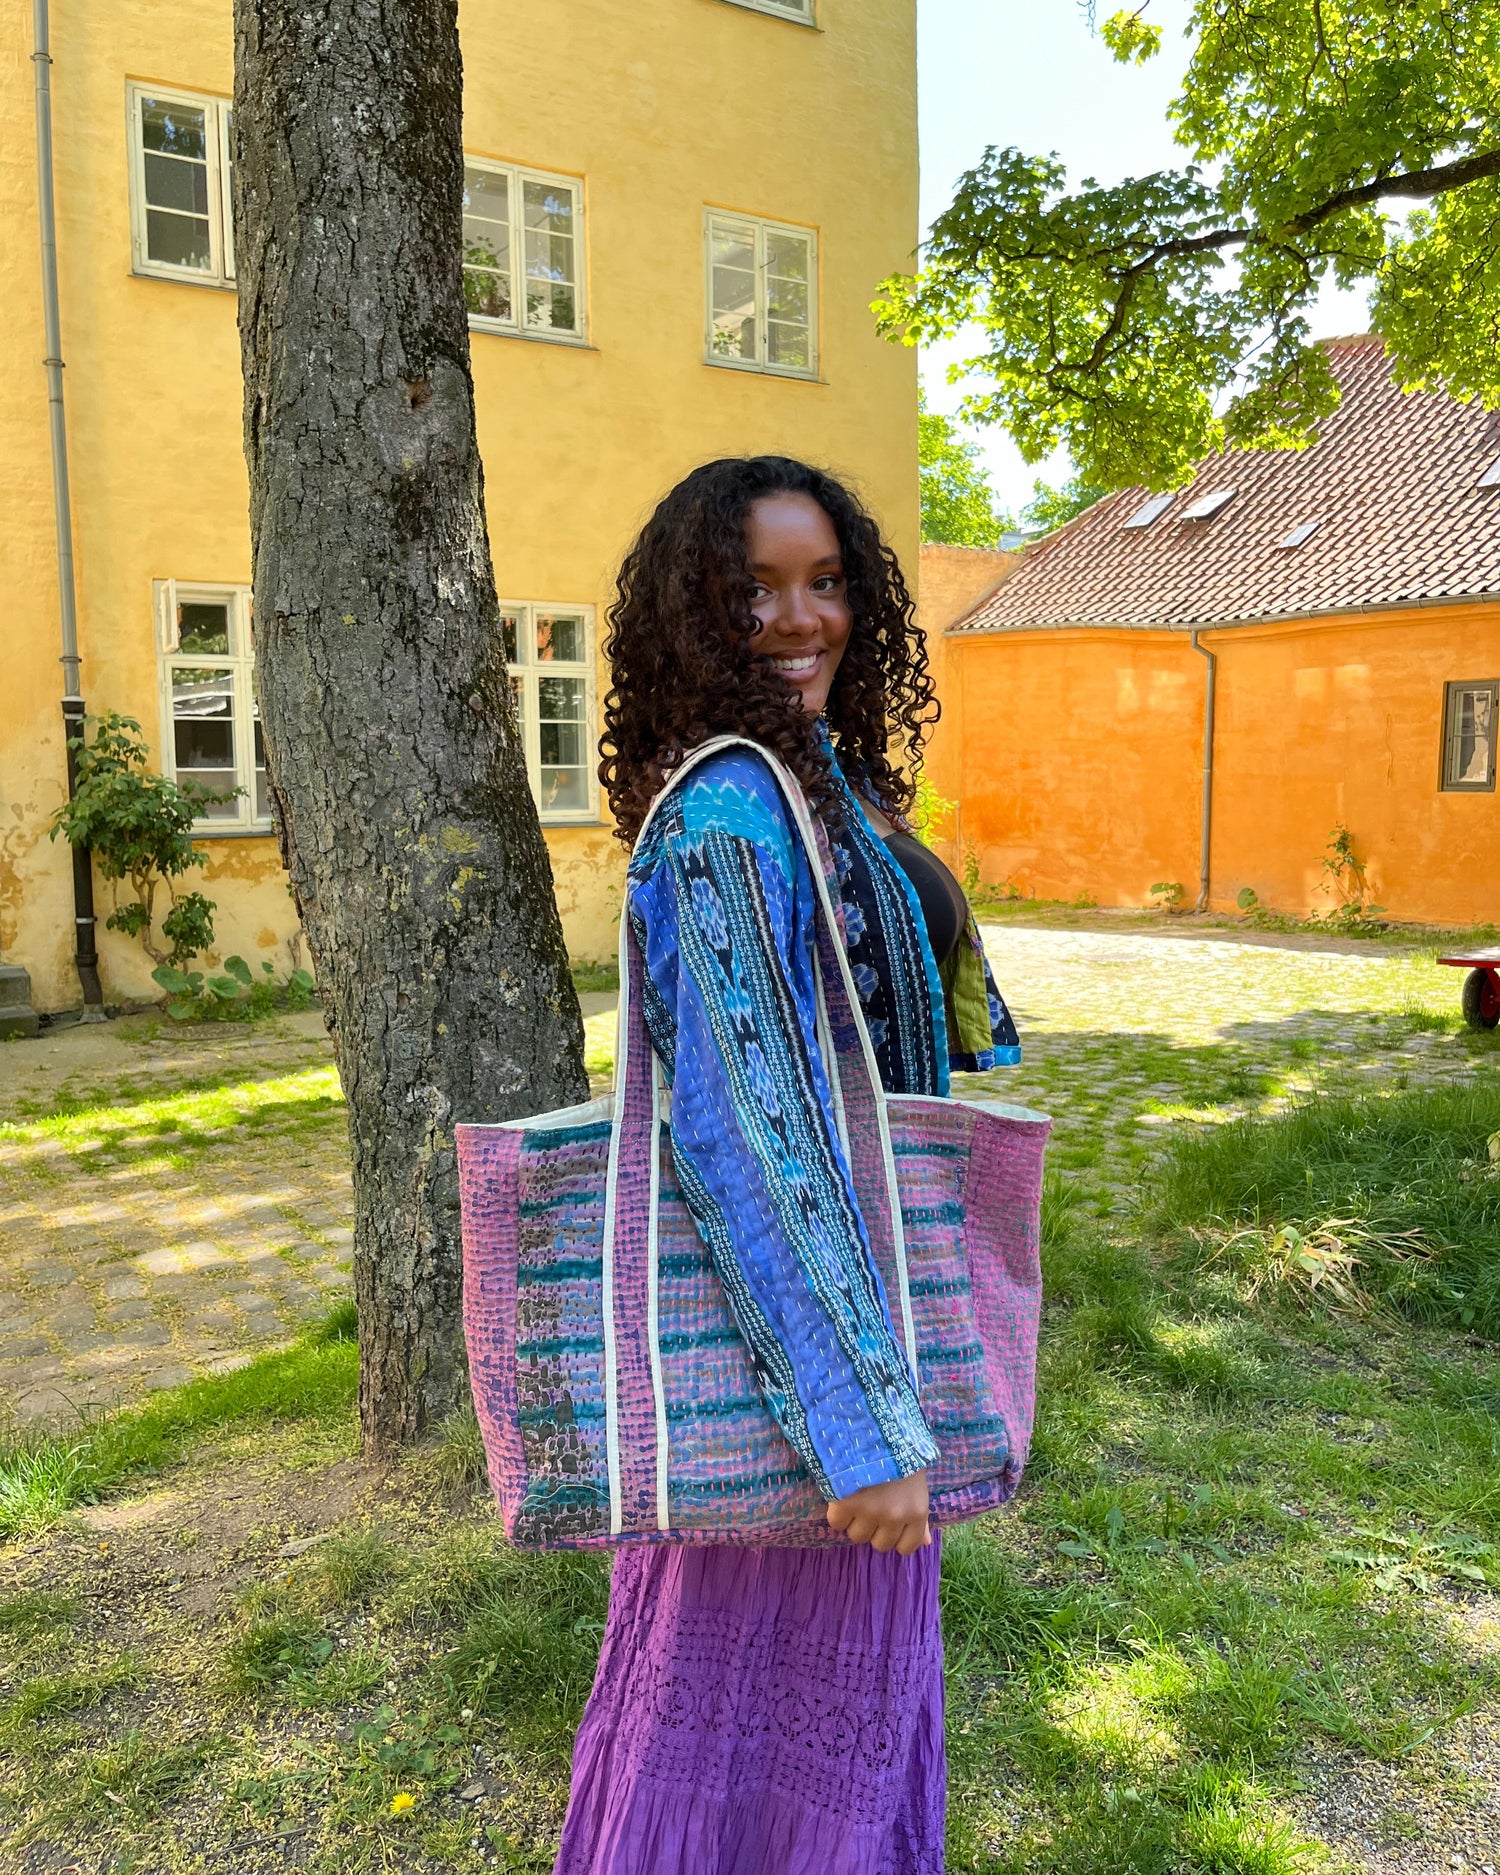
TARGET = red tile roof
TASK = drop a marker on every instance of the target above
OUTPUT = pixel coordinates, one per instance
(1392, 482)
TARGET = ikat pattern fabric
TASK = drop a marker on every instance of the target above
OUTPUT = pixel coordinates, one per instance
(723, 904)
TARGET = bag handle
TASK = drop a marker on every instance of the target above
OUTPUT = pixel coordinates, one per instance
(634, 1389)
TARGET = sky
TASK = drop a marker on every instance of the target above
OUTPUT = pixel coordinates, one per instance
(1029, 73)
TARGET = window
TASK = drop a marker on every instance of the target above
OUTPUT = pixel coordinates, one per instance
(1143, 517)
(1470, 713)
(762, 295)
(1303, 531)
(179, 185)
(210, 719)
(1207, 505)
(523, 251)
(784, 9)
(550, 654)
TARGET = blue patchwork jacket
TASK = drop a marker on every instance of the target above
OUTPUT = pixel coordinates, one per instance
(721, 897)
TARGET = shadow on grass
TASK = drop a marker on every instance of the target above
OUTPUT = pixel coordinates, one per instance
(46, 1474)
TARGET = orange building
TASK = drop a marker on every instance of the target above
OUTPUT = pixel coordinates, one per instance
(1199, 688)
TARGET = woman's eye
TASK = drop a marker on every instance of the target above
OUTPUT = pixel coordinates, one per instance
(759, 592)
(828, 582)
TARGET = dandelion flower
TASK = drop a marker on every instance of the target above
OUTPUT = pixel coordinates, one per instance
(402, 1802)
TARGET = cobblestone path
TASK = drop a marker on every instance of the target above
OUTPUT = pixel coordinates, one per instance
(1126, 1036)
(172, 1201)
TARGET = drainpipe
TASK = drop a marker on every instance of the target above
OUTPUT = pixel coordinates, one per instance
(85, 956)
(1205, 842)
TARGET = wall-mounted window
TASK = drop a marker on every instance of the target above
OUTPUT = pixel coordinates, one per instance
(549, 650)
(800, 10)
(180, 223)
(523, 251)
(761, 283)
(1470, 713)
(209, 716)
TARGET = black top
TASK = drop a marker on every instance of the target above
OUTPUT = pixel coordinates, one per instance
(944, 906)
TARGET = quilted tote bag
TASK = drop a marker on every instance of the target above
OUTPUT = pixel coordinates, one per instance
(614, 1393)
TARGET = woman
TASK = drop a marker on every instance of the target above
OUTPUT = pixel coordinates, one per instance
(780, 1711)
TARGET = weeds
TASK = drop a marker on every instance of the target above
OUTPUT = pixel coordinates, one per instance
(1406, 1178)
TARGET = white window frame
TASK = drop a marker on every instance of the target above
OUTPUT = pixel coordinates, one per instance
(167, 595)
(218, 112)
(762, 227)
(528, 668)
(517, 174)
(799, 12)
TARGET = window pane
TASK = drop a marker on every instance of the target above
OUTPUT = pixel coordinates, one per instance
(510, 627)
(786, 255)
(172, 183)
(551, 301)
(203, 732)
(175, 129)
(563, 788)
(487, 289)
(1475, 753)
(559, 639)
(560, 699)
(787, 345)
(178, 240)
(549, 206)
(487, 294)
(203, 628)
(732, 256)
(788, 300)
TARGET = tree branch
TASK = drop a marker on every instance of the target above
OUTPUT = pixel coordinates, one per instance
(1415, 182)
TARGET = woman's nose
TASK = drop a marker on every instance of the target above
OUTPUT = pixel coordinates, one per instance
(800, 614)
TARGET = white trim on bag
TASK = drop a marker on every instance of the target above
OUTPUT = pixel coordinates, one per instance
(611, 1189)
(653, 1303)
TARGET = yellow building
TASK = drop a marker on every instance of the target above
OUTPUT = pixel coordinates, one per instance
(678, 211)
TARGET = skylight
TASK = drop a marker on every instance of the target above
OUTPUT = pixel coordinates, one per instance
(1143, 517)
(1206, 505)
(1304, 530)
(1491, 476)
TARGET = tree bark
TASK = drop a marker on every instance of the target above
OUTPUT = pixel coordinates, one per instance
(397, 775)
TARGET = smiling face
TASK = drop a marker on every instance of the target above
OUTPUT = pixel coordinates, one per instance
(800, 599)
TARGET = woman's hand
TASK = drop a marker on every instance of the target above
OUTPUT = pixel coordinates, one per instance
(886, 1516)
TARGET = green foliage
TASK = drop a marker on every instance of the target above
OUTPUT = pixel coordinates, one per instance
(1168, 895)
(138, 826)
(932, 811)
(591, 978)
(1147, 324)
(958, 507)
(1051, 508)
(236, 995)
(1404, 1184)
(1344, 880)
(1132, 39)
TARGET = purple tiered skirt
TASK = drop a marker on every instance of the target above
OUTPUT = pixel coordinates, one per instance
(763, 1712)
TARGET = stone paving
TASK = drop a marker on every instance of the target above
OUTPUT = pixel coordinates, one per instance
(173, 1200)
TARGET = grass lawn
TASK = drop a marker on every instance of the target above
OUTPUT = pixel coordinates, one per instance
(1242, 1619)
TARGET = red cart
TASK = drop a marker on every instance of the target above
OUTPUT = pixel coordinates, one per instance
(1481, 993)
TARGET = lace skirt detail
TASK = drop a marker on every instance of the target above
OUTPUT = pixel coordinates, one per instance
(763, 1712)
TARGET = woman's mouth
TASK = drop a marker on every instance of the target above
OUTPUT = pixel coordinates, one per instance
(800, 666)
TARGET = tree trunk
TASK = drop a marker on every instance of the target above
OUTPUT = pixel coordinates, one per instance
(397, 774)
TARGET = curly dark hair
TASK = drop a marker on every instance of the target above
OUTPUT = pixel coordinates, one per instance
(682, 667)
